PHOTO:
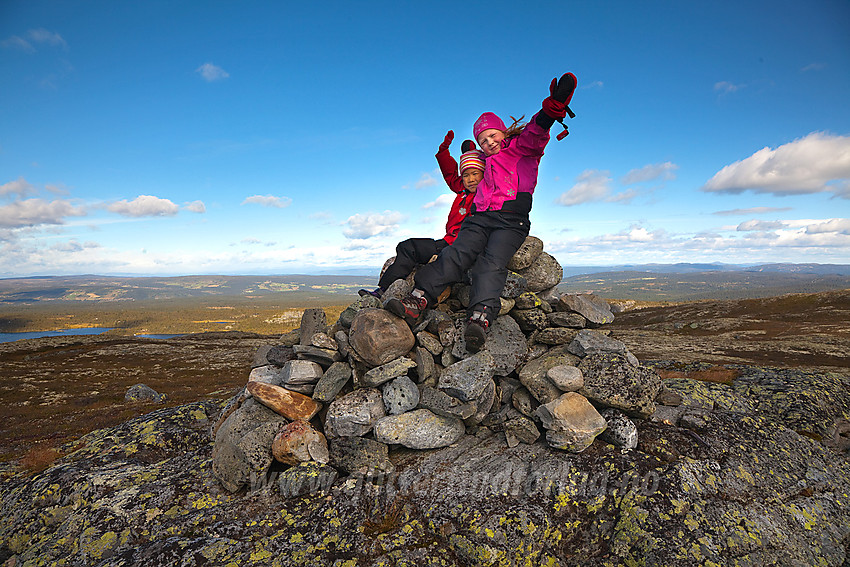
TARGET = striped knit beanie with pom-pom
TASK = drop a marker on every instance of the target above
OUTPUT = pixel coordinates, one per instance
(472, 158)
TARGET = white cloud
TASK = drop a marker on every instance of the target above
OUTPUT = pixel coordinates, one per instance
(195, 207)
(591, 185)
(34, 212)
(650, 173)
(41, 35)
(211, 73)
(444, 200)
(425, 181)
(725, 87)
(759, 225)
(144, 206)
(268, 201)
(34, 36)
(593, 85)
(813, 67)
(841, 226)
(623, 196)
(806, 165)
(752, 211)
(20, 187)
(372, 224)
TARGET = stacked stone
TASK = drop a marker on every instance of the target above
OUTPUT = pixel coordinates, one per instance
(332, 399)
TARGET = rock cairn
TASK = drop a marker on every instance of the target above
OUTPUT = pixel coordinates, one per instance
(333, 399)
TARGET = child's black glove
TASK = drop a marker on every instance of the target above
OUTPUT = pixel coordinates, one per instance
(466, 146)
(563, 89)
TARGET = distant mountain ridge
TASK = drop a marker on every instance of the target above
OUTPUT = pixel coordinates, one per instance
(648, 282)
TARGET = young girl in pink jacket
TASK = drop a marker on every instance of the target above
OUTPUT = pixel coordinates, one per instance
(498, 225)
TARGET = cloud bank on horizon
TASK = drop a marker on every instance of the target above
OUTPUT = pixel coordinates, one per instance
(280, 153)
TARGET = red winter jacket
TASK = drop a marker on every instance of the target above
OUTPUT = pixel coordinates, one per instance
(462, 204)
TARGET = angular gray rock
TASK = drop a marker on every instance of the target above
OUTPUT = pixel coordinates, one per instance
(242, 450)
(524, 402)
(555, 336)
(379, 336)
(483, 405)
(443, 404)
(278, 355)
(533, 374)
(354, 414)
(360, 456)
(588, 341)
(567, 378)
(515, 285)
(520, 430)
(322, 356)
(505, 342)
(571, 422)
(312, 321)
(386, 372)
(544, 273)
(332, 382)
(528, 252)
(594, 309)
(300, 372)
(467, 379)
(426, 369)
(430, 342)
(566, 319)
(611, 380)
(528, 300)
(400, 395)
(419, 429)
(268, 374)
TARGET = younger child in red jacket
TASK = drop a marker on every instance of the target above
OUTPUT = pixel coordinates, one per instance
(415, 251)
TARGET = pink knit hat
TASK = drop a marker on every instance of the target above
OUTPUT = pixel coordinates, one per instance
(473, 159)
(485, 122)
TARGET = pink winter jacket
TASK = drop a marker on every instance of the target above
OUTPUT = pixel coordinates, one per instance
(510, 176)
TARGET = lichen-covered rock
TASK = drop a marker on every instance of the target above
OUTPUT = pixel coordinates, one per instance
(742, 488)
(243, 445)
(306, 478)
(400, 395)
(530, 319)
(332, 381)
(533, 374)
(520, 430)
(443, 404)
(419, 429)
(621, 431)
(544, 273)
(379, 337)
(467, 379)
(611, 380)
(360, 456)
(144, 393)
(565, 319)
(350, 313)
(556, 336)
(527, 253)
(374, 377)
(592, 308)
(355, 413)
(588, 341)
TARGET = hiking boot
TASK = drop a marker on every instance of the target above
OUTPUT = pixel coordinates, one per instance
(364, 292)
(409, 308)
(475, 334)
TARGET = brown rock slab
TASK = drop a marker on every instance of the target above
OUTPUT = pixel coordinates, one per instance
(290, 405)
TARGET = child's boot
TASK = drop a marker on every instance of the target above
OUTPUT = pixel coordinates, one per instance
(475, 334)
(409, 307)
(378, 292)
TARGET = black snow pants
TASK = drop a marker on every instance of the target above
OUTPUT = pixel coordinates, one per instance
(486, 243)
(409, 254)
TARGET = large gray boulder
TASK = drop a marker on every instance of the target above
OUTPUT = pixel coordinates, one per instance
(419, 429)
(467, 379)
(611, 380)
(594, 309)
(544, 273)
(243, 442)
(354, 414)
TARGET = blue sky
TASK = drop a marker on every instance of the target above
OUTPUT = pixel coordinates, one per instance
(147, 137)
